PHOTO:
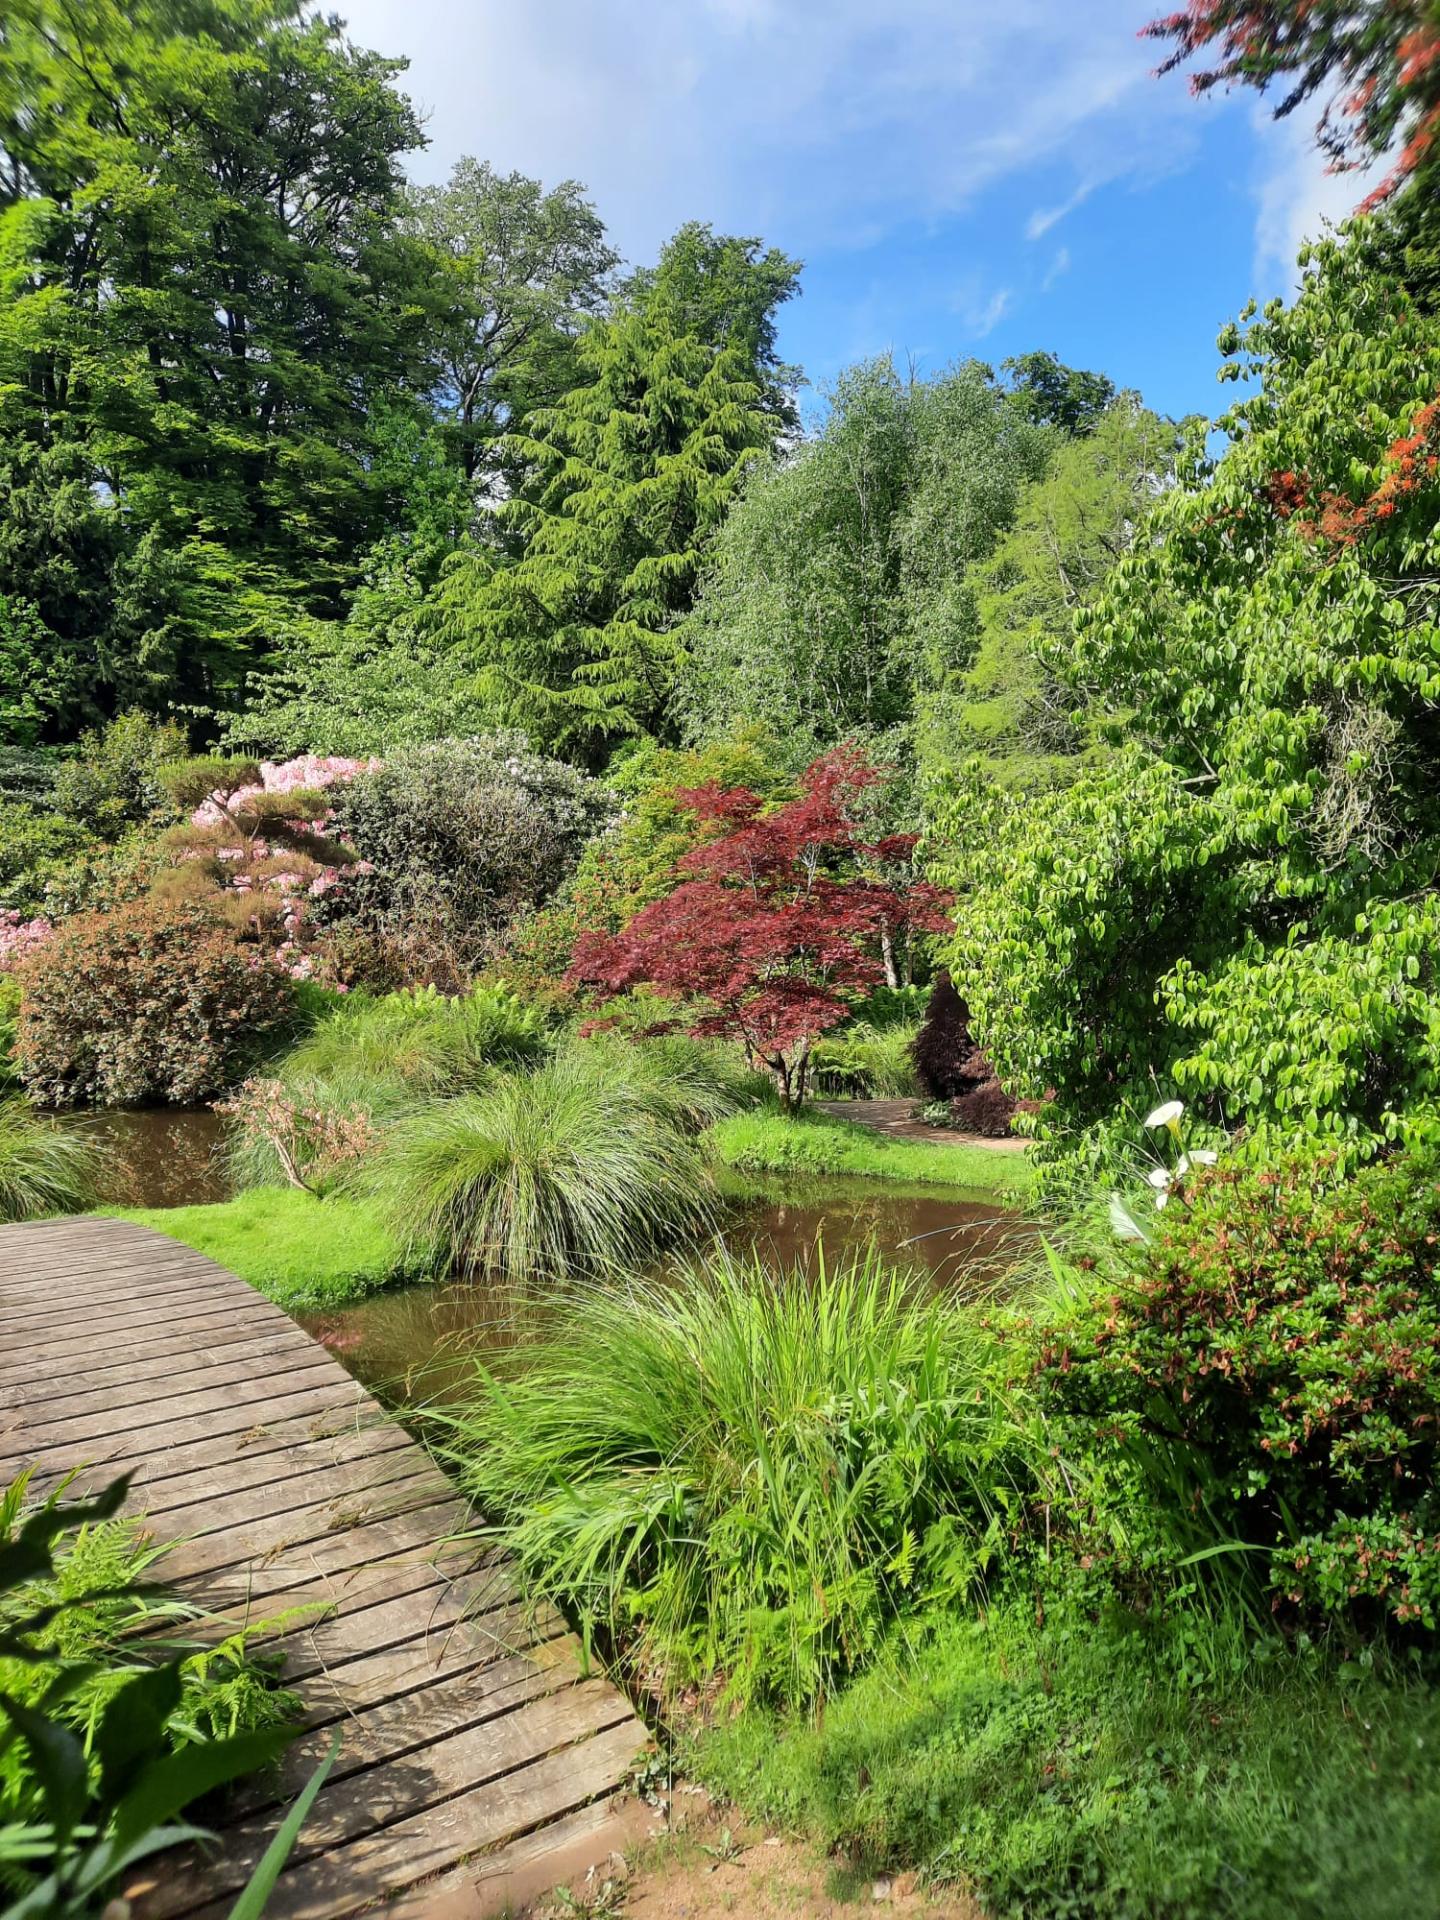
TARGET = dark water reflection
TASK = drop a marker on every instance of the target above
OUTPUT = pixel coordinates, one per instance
(416, 1343)
(159, 1156)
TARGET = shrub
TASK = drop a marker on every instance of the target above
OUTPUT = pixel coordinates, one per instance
(146, 1003)
(463, 835)
(575, 1168)
(9, 1029)
(34, 845)
(747, 1478)
(1272, 1368)
(112, 780)
(44, 1168)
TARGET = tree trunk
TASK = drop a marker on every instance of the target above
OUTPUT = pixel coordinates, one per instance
(887, 951)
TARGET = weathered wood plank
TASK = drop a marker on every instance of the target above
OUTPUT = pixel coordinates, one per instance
(294, 1505)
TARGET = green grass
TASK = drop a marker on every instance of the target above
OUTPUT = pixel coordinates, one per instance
(298, 1251)
(1094, 1769)
(584, 1166)
(744, 1479)
(810, 1142)
(44, 1168)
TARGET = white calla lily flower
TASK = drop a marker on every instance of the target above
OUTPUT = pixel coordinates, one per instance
(1160, 1177)
(1205, 1157)
(1167, 1115)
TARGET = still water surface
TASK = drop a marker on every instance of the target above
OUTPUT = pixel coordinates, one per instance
(416, 1343)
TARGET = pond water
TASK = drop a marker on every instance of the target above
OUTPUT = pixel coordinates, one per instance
(415, 1343)
(158, 1156)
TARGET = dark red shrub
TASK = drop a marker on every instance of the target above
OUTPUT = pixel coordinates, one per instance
(984, 1109)
(145, 1003)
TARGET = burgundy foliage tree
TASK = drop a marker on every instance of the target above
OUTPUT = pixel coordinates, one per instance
(775, 927)
(1379, 60)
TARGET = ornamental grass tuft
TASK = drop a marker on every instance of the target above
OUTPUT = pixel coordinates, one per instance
(578, 1168)
(44, 1168)
(742, 1482)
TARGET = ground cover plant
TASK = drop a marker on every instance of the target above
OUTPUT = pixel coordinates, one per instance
(300, 1251)
(769, 1141)
(117, 1718)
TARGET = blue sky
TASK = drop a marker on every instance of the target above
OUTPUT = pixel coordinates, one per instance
(963, 178)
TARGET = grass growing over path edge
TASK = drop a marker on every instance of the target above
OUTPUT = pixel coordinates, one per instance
(299, 1251)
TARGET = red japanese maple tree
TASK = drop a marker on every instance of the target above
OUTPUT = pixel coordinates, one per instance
(776, 925)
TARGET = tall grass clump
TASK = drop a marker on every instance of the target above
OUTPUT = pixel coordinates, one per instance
(44, 1168)
(744, 1481)
(569, 1170)
(420, 1040)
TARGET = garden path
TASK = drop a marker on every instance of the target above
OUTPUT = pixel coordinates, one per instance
(475, 1750)
(893, 1119)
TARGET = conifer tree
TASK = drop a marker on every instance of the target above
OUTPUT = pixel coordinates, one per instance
(626, 478)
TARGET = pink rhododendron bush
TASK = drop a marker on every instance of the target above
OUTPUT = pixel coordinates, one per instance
(258, 841)
(20, 937)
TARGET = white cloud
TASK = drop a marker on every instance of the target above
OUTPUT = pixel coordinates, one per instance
(820, 123)
(1297, 194)
(1044, 218)
(1059, 265)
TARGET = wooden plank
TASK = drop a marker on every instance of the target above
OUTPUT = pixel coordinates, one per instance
(393, 1825)
(215, 1314)
(252, 1391)
(236, 1427)
(139, 1384)
(301, 1511)
(183, 1364)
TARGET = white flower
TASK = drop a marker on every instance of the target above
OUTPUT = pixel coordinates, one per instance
(1204, 1157)
(1167, 1115)
(1160, 1200)
(1160, 1177)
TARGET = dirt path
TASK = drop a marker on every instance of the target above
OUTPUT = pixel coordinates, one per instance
(892, 1118)
(711, 1869)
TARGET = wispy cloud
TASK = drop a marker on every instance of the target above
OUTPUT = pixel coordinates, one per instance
(1058, 266)
(1044, 218)
(814, 121)
(1297, 194)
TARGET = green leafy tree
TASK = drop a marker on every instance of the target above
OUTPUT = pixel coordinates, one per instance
(1010, 703)
(202, 293)
(525, 267)
(1242, 903)
(1054, 395)
(840, 584)
(628, 477)
(726, 290)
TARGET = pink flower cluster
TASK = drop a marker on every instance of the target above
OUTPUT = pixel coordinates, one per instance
(19, 938)
(303, 774)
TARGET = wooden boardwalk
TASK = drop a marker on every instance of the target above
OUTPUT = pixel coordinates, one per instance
(478, 1762)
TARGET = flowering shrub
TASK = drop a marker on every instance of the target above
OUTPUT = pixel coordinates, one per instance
(1275, 1362)
(19, 938)
(147, 1003)
(311, 1140)
(257, 836)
